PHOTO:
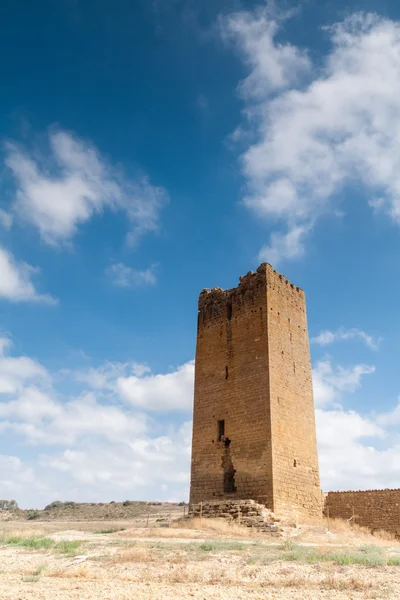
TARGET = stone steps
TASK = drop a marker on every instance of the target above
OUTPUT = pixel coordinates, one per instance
(248, 512)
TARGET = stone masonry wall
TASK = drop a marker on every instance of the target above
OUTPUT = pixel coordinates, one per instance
(244, 512)
(253, 375)
(296, 485)
(231, 385)
(376, 509)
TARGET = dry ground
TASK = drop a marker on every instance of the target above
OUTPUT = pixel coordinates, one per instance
(203, 561)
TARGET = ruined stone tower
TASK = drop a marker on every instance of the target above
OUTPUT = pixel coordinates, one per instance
(253, 425)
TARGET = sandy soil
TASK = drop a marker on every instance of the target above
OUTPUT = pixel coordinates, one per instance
(206, 561)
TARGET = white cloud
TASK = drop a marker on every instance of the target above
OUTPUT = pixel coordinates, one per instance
(348, 456)
(105, 376)
(99, 442)
(16, 372)
(284, 246)
(329, 337)
(330, 382)
(172, 391)
(273, 66)
(313, 135)
(114, 441)
(6, 219)
(60, 192)
(14, 476)
(15, 281)
(124, 276)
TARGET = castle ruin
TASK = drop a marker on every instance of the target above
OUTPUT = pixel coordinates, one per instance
(254, 431)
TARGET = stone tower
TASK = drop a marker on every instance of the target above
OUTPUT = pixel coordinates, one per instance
(254, 425)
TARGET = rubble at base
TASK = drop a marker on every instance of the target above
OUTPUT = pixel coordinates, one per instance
(244, 512)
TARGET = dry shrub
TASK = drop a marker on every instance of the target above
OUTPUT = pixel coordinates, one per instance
(137, 554)
(334, 582)
(222, 526)
(386, 536)
(148, 532)
(81, 572)
(21, 533)
(183, 574)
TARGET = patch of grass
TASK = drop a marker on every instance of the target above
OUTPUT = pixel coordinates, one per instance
(39, 542)
(357, 558)
(67, 547)
(104, 531)
(32, 543)
(394, 561)
(35, 575)
(39, 570)
(220, 546)
(288, 545)
(370, 549)
(368, 555)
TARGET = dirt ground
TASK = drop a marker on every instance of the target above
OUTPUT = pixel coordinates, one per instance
(210, 560)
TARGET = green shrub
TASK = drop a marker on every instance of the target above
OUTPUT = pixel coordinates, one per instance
(104, 531)
(32, 543)
(67, 547)
(33, 514)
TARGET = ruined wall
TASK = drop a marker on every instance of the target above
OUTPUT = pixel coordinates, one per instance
(253, 372)
(376, 509)
(231, 385)
(294, 446)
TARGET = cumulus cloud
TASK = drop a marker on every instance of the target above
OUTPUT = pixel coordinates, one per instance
(105, 441)
(317, 129)
(17, 372)
(330, 382)
(273, 66)
(329, 337)
(172, 391)
(113, 439)
(60, 191)
(356, 451)
(14, 476)
(284, 246)
(123, 276)
(16, 281)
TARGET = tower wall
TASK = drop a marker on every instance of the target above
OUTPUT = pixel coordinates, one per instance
(253, 385)
(296, 485)
(231, 385)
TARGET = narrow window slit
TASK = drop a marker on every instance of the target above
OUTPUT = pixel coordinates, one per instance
(229, 311)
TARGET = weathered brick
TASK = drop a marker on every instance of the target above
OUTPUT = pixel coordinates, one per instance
(253, 372)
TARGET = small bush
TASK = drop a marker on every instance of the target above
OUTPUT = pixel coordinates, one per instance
(216, 546)
(288, 545)
(33, 514)
(55, 504)
(67, 547)
(59, 504)
(104, 531)
(8, 505)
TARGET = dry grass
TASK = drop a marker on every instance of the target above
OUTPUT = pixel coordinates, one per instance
(208, 559)
(137, 554)
(222, 526)
(79, 572)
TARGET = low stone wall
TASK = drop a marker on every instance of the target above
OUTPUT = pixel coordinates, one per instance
(376, 509)
(245, 512)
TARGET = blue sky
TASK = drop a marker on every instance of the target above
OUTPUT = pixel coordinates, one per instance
(151, 149)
